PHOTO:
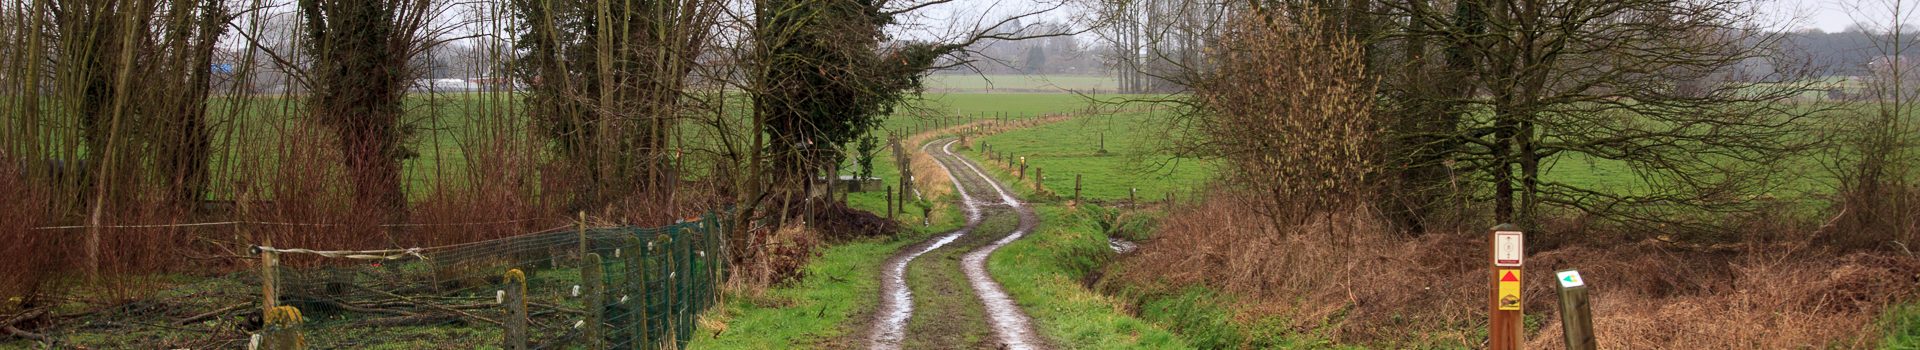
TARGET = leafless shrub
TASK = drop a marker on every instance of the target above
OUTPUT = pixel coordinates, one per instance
(1290, 110)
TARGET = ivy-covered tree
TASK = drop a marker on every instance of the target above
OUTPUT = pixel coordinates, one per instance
(359, 79)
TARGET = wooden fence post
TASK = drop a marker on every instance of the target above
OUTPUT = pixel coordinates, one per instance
(1576, 314)
(269, 280)
(1505, 302)
(1038, 177)
(594, 291)
(889, 203)
(281, 329)
(636, 296)
(1076, 187)
(581, 226)
(674, 298)
(515, 298)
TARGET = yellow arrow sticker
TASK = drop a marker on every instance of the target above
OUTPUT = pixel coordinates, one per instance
(1509, 289)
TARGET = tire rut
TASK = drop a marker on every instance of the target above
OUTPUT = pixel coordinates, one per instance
(963, 307)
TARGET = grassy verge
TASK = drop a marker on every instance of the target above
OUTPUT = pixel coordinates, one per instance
(843, 281)
(1044, 271)
(1902, 327)
(1051, 266)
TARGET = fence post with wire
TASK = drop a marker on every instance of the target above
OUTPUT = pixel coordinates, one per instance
(569, 287)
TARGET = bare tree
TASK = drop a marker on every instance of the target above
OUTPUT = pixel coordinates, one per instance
(1546, 84)
(1875, 159)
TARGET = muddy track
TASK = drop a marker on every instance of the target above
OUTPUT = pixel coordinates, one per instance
(938, 293)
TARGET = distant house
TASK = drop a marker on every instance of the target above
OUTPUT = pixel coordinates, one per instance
(1885, 68)
(495, 83)
(443, 85)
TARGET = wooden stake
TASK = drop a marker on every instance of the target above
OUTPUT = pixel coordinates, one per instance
(269, 280)
(636, 295)
(1076, 186)
(582, 227)
(1576, 314)
(1037, 179)
(592, 288)
(516, 303)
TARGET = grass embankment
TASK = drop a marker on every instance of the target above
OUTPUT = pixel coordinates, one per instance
(840, 283)
(1070, 250)
(1045, 272)
(1048, 272)
(1077, 233)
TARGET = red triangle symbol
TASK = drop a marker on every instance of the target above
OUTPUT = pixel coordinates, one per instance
(1509, 277)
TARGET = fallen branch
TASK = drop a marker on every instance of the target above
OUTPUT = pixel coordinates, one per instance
(10, 330)
(433, 306)
(23, 315)
(412, 320)
(210, 314)
(367, 310)
(6, 324)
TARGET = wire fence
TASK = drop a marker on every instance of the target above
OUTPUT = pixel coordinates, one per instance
(643, 290)
(585, 288)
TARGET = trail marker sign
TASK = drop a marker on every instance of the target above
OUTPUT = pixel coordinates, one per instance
(1569, 279)
(1508, 249)
(1504, 304)
(1509, 290)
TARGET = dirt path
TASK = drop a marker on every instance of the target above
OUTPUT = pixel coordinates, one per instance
(959, 304)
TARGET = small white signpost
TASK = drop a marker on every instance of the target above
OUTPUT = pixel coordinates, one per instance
(1507, 249)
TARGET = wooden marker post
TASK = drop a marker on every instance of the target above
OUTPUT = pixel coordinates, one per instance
(1576, 313)
(269, 280)
(889, 203)
(1505, 302)
(582, 227)
(1076, 186)
(593, 294)
(515, 298)
(1037, 175)
(1023, 169)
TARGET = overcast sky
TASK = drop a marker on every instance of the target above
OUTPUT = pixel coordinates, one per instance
(1837, 15)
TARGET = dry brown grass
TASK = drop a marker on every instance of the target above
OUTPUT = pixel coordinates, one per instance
(1345, 278)
(773, 257)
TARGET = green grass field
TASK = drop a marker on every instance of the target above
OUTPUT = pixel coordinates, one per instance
(1133, 157)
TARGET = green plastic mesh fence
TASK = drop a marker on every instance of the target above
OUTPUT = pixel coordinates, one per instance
(655, 281)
